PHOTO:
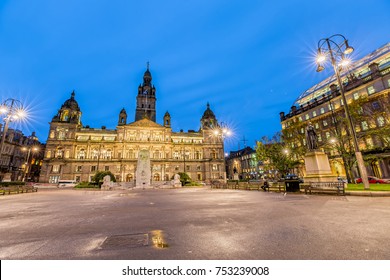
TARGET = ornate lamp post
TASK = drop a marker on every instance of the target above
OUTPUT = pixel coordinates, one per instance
(335, 48)
(13, 110)
(28, 161)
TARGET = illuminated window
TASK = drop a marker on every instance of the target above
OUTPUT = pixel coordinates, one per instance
(316, 125)
(306, 116)
(364, 125)
(356, 96)
(325, 123)
(370, 90)
(327, 134)
(380, 121)
(314, 113)
(81, 154)
(322, 110)
(369, 143)
(56, 168)
(319, 137)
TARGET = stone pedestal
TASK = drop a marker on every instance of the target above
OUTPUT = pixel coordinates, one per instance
(235, 177)
(318, 168)
(143, 175)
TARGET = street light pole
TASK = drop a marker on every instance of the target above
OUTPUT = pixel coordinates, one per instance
(14, 110)
(325, 48)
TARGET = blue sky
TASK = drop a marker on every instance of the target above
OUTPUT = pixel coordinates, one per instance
(249, 59)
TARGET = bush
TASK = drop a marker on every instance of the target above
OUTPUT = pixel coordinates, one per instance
(87, 185)
(184, 178)
(98, 177)
(14, 183)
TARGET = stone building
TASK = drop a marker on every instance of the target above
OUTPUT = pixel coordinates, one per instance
(367, 90)
(77, 152)
(244, 164)
(21, 157)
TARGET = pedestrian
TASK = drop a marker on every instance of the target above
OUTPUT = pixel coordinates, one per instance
(265, 186)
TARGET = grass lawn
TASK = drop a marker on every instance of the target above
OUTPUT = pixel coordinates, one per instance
(373, 187)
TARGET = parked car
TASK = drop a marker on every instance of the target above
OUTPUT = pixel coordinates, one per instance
(373, 180)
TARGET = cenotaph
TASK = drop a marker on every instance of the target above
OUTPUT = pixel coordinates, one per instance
(143, 174)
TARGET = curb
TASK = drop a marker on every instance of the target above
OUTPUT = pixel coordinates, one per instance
(372, 194)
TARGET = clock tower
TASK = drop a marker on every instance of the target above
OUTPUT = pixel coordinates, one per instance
(146, 99)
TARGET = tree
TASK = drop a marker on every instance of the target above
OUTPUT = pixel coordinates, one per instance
(98, 177)
(278, 160)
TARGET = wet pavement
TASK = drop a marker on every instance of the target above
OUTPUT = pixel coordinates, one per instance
(198, 223)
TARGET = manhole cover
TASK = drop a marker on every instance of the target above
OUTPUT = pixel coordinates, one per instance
(126, 241)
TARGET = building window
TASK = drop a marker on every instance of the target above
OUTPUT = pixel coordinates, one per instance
(388, 82)
(316, 125)
(77, 178)
(56, 168)
(200, 177)
(314, 114)
(106, 168)
(187, 168)
(327, 134)
(369, 143)
(81, 154)
(54, 179)
(370, 90)
(59, 153)
(319, 137)
(176, 155)
(330, 106)
(302, 130)
(300, 118)
(376, 105)
(356, 96)
(381, 121)
(93, 168)
(364, 125)
(325, 123)
(322, 110)
(198, 167)
(306, 116)
(78, 168)
(215, 167)
(341, 102)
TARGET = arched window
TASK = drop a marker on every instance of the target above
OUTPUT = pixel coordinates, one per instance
(95, 154)
(156, 177)
(129, 177)
(59, 152)
(81, 154)
(156, 154)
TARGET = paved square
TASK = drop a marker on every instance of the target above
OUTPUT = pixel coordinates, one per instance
(198, 223)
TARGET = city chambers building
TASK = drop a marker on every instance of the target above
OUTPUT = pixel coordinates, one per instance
(367, 91)
(77, 152)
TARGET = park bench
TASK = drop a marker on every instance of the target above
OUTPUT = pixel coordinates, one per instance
(277, 186)
(325, 187)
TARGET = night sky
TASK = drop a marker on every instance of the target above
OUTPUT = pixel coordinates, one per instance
(249, 59)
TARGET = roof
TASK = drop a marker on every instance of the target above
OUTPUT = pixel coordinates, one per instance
(145, 122)
(359, 68)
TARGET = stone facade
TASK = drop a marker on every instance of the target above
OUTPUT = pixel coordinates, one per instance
(74, 152)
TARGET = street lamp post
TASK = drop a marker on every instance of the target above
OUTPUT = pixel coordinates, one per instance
(337, 47)
(28, 161)
(13, 110)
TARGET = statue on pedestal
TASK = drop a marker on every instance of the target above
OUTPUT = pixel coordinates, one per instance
(311, 137)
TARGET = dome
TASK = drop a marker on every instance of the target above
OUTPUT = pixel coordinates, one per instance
(208, 114)
(71, 103)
